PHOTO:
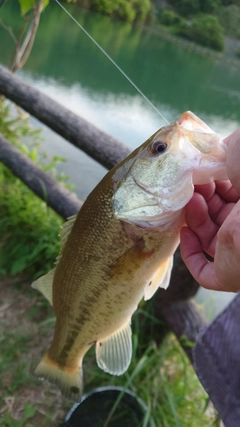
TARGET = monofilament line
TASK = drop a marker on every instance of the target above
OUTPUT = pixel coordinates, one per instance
(113, 62)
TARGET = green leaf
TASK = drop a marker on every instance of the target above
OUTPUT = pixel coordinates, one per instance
(26, 5)
(18, 265)
(29, 411)
(45, 3)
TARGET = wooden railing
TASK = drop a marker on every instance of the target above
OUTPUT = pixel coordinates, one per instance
(175, 306)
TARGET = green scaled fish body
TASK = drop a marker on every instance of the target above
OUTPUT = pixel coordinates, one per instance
(120, 246)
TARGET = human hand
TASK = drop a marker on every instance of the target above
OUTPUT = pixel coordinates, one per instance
(213, 225)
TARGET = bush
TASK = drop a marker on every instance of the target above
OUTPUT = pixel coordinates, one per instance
(205, 30)
(143, 9)
(168, 18)
(227, 2)
(125, 10)
(128, 10)
(105, 6)
(210, 6)
(187, 7)
(229, 18)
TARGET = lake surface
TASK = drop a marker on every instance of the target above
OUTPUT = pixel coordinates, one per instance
(67, 66)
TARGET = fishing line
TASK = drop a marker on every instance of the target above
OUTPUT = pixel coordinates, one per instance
(113, 62)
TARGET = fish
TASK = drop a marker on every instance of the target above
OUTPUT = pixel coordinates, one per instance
(119, 248)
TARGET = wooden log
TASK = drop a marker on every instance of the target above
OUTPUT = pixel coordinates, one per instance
(99, 145)
(177, 309)
(55, 195)
(184, 319)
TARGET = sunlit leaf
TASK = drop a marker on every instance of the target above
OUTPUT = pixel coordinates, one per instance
(26, 5)
(45, 3)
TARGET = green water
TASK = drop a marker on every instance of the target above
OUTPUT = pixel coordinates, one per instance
(67, 66)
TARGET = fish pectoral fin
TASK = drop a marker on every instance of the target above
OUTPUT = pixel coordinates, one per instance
(160, 279)
(44, 285)
(115, 352)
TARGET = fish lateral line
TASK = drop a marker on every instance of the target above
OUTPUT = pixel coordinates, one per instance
(113, 62)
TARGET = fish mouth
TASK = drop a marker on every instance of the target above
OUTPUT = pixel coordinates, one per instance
(200, 135)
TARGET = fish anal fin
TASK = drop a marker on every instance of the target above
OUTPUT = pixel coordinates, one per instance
(114, 353)
(160, 279)
(44, 285)
(69, 380)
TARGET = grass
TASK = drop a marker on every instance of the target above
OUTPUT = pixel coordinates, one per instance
(161, 376)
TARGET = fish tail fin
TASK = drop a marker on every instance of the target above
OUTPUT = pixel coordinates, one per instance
(70, 381)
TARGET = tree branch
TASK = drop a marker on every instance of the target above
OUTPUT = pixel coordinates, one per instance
(23, 52)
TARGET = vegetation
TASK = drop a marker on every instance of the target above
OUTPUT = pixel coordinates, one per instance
(229, 18)
(28, 228)
(191, 7)
(128, 10)
(202, 21)
(205, 30)
(205, 22)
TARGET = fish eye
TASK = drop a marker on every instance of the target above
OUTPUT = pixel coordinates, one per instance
(158, 147)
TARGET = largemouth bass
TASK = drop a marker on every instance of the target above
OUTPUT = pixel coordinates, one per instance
(120, 246)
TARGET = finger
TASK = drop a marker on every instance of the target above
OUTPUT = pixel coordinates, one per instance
(218, 209)
(229, 232)
(201, 269)
(217, 196)
(199, 221)
(206, 190)
(226, 191)
(235, 136)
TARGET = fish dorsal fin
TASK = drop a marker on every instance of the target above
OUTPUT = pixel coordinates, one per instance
(66, 229)
(44, 285)
(115, 352)
(64, 234)
(160, 279)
